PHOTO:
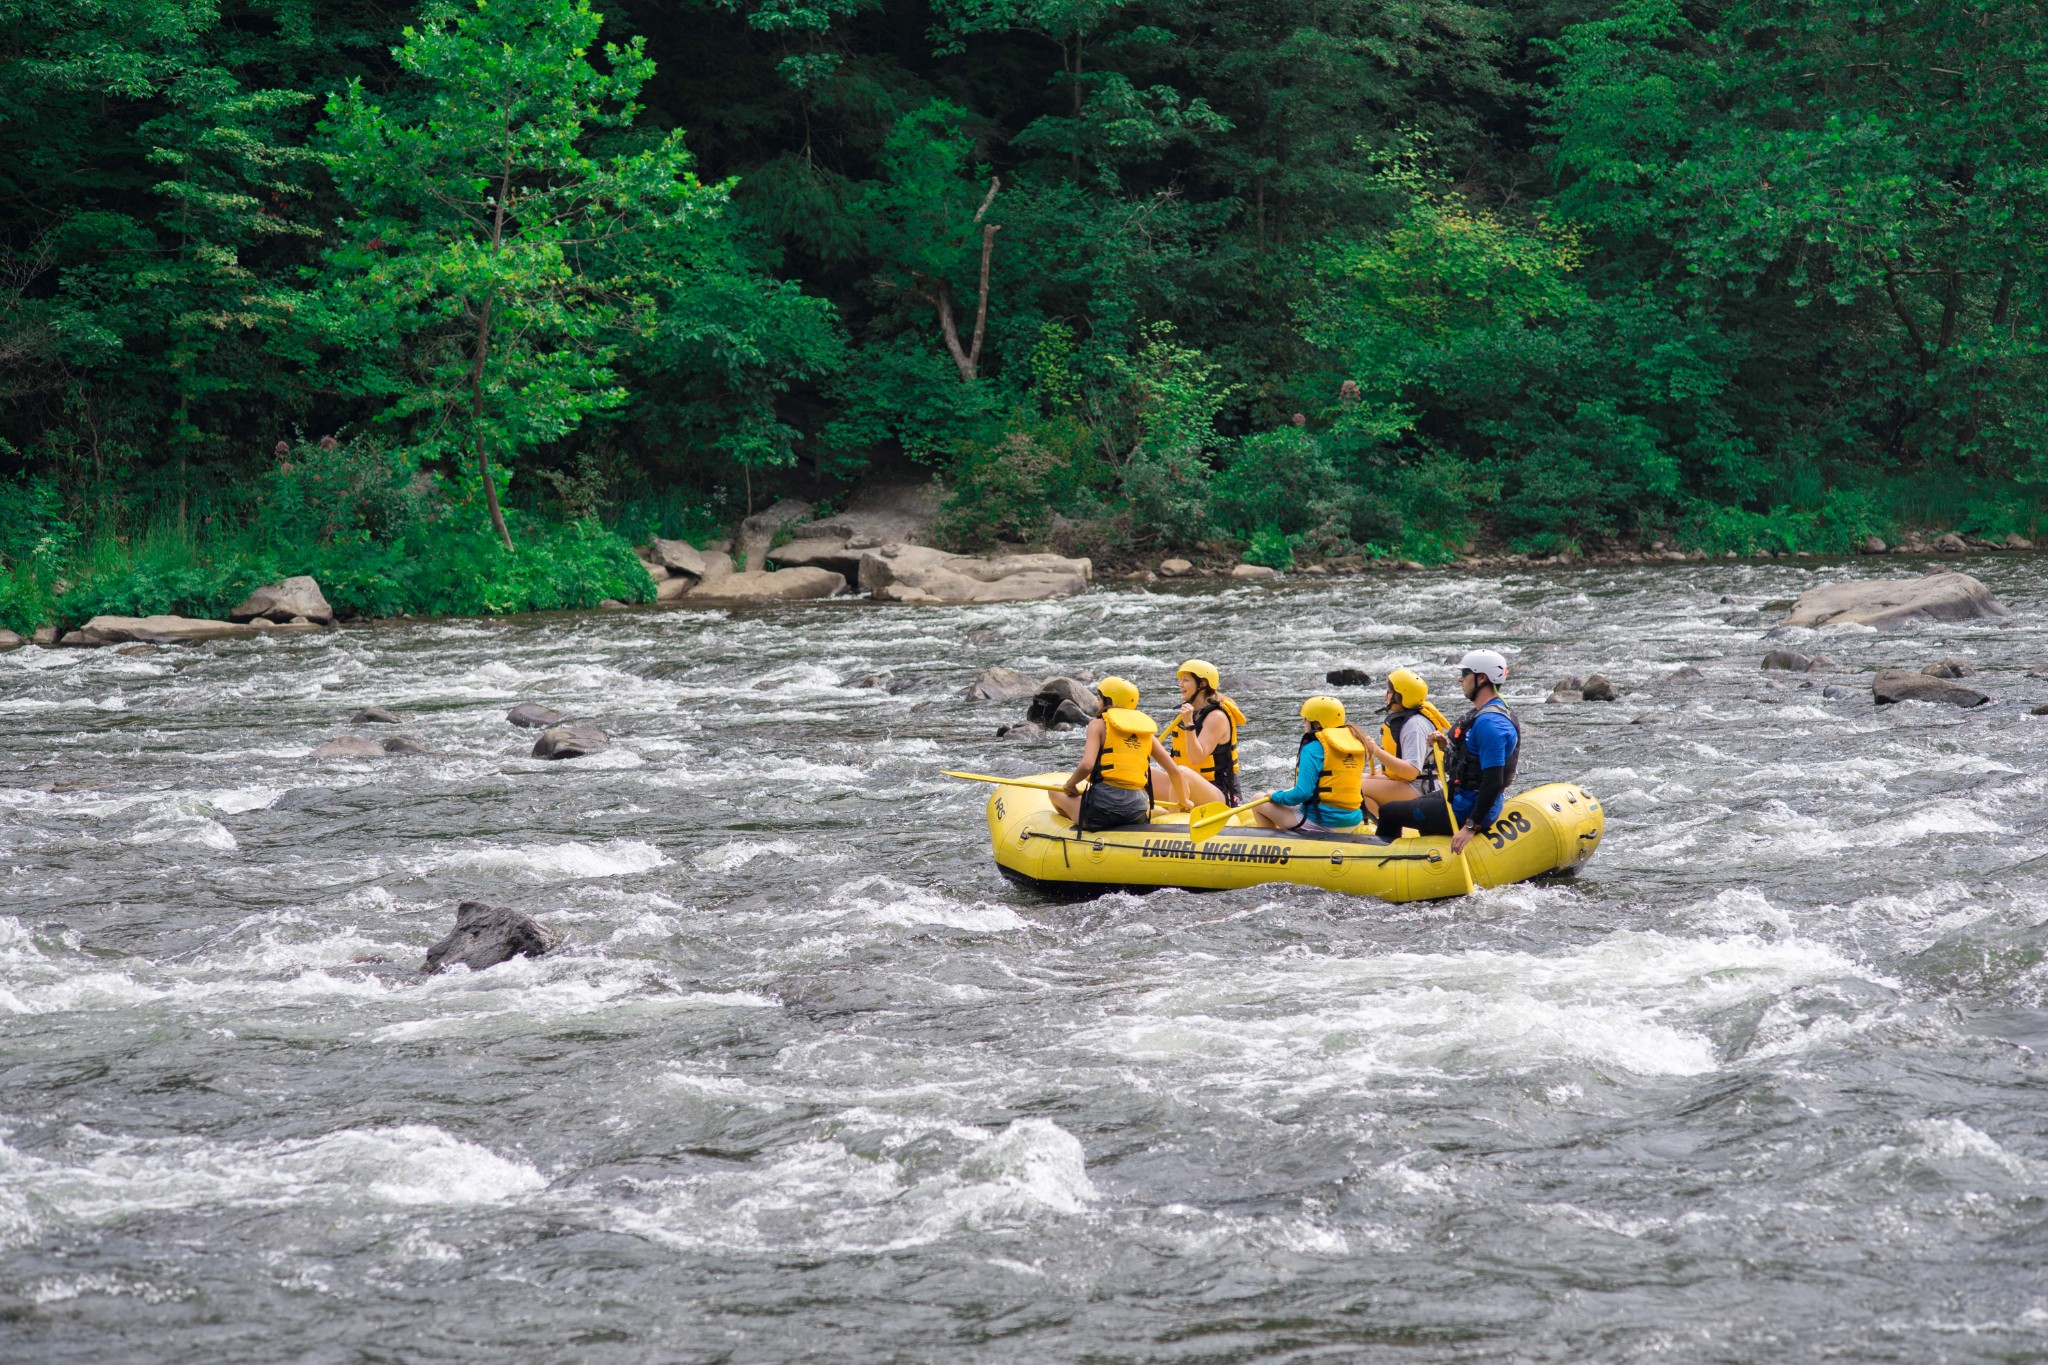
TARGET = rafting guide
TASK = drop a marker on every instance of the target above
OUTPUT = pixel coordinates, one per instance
(1421, 809)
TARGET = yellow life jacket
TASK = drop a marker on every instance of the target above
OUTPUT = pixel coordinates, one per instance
(1337, 786)
(1224, 753)
(1125, 759)
(1390, 737)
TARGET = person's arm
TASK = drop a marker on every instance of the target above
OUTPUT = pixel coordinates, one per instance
(1214, 731)
(1164, 758)
(1391, 763)
(1090, 750)
(1305, 774)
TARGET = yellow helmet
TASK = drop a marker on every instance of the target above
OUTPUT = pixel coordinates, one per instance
(1118, 692)
(1326, 712)
(1408, 686)
(1201, 670)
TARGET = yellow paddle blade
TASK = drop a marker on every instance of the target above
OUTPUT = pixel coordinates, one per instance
(1204, 820)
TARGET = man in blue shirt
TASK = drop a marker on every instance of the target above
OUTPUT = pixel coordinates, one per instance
(1479, 757)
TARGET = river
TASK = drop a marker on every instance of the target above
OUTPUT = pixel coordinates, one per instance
(811, 1082)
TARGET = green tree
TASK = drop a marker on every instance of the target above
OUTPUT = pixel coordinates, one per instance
(491, 237)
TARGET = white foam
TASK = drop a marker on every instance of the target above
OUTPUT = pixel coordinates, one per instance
(883, 901)
(559, 862)
(409, 1166)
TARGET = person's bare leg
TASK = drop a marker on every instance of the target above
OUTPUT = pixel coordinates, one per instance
(1274, 816)
(1069, 806)
(1200, 789)
(1377, 791)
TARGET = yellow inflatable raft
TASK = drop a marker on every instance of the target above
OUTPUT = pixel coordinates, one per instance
(1546, 830)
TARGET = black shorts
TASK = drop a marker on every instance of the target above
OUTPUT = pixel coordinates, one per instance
(1107, 807)
(1425, 814)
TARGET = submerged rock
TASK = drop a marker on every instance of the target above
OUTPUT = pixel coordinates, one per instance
(486, 935)
(1348, 677)
(354, 746)
(577, 739)
(1001, 684)
(1685, 673)
(1899, 684)
(531, 715)
(1597, 688)
(1792, 661)
(298, 596)
(1947, 668)
(405, 744)
(1889, 603)
(373, 715)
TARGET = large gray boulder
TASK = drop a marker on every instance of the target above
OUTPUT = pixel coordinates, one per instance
(577, 739)
(9, 640)
(299, 596)
(485, 935)
(920, 574)
(154, 630)
(834, 555)
(712, 565)
(1001, 684)
(677, 556)
(1888, 603)
(759, 531)
(1903, 684)
(1061, 702)
(782, 585)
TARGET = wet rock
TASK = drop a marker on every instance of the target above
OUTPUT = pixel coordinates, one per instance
(1565, 690)
(920, 574)
(402, 744)
(281, 601)
(1952, 544)
(1889, 603)
(1947, 668)
(1348, 677)
(1835, 693)
(373, 715)
(1872, 545)
(1001, 684)
(1792, 661)
(1175, 568)
(577, 739)
(354, 746)
(780, 585)
(2041, 710)
(486, 935)
(1685, 673)
(1061, 702)
(759, 531)
(303, 798)
(531, 715)
(9, 640)
(1597, 688)
(1899, 684)
(1648, 718)
(153, 630)
(138, 651)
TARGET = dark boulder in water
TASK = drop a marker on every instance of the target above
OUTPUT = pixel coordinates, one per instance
(531, 715)
(485, 935)
(1061, 701)
(1898, 684)
(373, 715)
(1348, 677)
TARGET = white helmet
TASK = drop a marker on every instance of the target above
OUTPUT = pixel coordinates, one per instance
(1487, 664)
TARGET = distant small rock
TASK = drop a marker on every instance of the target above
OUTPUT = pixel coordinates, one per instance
(1898, 684)
(1648, 718)
(1175, 568)
(2041, 710)
(1952, 544)
(373, 715)
(1790, 661)
(531, 715)
(577, 739)
(1947, 668)
(354, 746)
(1001, 684)
(401, 744)
(1685, 673)
(486, 935)
(1254, 572)
(9, 640)
(1348, 677)
(45, 635)
(1834, 693)
(1873, 545)
(1597, 688)
(2016, 541)
(611, 604)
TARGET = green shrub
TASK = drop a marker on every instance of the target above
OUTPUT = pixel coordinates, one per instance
(1272, 547)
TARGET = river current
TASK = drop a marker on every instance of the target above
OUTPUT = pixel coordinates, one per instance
(811, 1082)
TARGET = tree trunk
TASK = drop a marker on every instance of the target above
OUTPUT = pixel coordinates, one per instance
(476, 425)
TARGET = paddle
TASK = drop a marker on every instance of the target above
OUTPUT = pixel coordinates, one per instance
(1008, 781)
(1464, 863)
(1204, 820)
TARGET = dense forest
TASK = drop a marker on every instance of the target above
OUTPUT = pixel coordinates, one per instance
(449, 303)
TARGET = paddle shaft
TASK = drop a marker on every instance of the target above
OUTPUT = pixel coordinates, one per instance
(1008, 781)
